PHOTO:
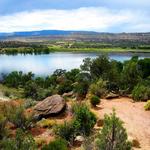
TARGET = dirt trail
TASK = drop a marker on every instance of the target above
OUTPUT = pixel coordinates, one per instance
(136, 119)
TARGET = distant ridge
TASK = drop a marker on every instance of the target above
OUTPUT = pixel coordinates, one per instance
(44, 33)
(50, 35)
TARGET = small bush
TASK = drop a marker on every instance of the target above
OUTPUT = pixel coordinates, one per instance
(29, 103)
(99, 88)
(7, 93)
(95, 100)
(141, 92)
(85, 118)
(46, 123)
(40, 141)
(58, 144)
(147, 106)
(67, 130)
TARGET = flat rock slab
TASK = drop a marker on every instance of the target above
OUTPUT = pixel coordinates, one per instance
(52, 105)
(112, 96)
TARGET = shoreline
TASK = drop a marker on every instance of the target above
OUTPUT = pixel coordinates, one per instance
(79, 50)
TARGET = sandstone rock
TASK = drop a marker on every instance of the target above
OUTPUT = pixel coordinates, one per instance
(112, 95)
(52, 105)
(79, 140)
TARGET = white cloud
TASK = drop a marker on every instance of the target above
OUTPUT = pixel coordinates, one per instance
(90, 18)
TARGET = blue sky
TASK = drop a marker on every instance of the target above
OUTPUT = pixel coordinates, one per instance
(93, 15)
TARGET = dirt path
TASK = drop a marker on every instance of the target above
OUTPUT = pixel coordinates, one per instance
(136, 119)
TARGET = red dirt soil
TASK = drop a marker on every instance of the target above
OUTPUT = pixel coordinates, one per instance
(136, 119)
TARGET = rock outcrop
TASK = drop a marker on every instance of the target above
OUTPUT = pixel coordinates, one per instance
(50, 106)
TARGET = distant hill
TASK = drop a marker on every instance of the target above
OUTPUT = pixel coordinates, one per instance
(43, 33)
(49, 35)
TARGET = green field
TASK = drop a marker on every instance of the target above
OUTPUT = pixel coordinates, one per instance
(118, 49)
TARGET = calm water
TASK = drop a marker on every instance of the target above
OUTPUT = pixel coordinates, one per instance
(47, 63)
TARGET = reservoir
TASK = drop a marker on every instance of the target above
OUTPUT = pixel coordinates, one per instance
(45, 64)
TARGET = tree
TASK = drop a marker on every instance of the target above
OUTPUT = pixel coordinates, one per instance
(82, 85)
(31, 89)
(65, 86)
(86, 64)
(113, 135)
(59, 72)
(100, 67)
(143, 67)
(17, 79)
(130, 75)
(72, 75)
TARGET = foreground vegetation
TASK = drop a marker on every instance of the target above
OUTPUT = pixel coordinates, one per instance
(95, 79)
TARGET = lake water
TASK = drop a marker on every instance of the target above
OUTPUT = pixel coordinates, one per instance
(47, 63)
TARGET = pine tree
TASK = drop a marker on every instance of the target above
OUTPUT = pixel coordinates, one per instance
(113, 135)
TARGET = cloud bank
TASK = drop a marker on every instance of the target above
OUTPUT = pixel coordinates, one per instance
(99, 19)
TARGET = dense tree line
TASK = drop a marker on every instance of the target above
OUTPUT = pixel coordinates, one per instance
(15, 47)
(125, 44)
(99, 76)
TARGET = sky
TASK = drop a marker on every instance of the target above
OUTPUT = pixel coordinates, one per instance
(86, 15)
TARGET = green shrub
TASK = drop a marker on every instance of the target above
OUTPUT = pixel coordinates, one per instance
(68, 130)
(95, 100)
(29, 103)
(7, 93)
(58, 144)
(141, 92)
(85, 118)
(22, 141)
(46, 123)
(31, 90)
(99, 88)
(82, 123)
(18, 118)
(130, 75)
(40, 141)
(34, 91)
(147, 106)
(65, 87)
(113, 135)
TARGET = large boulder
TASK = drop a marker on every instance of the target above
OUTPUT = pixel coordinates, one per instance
(50, 106)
